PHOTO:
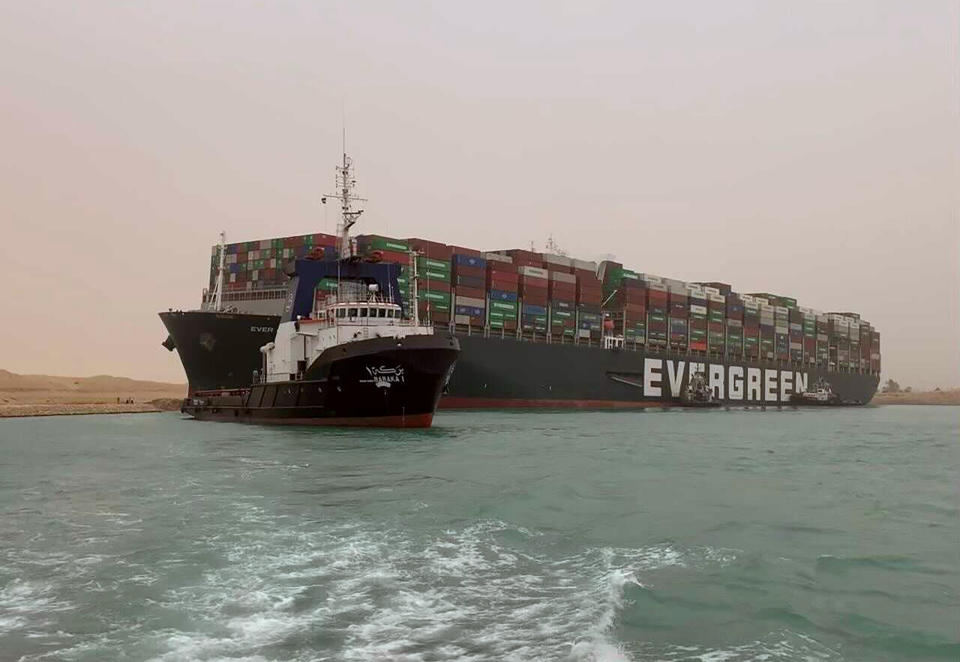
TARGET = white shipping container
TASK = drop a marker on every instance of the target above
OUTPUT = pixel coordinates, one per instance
(752, 305)
(230, 259)
(584, 264)
(762, 301)
(766, 308)
(562, 277)
(498, 257)
(233, 278)
(781, 310)
(699, 310)
(470, 301)
(711, 290)
(656, 286)
(254, 275)
(562, 260)
(461, 319)
(718, 298)
(650, 278)
(265, 244)
(583, 333)
(533, 271)
(731, 322)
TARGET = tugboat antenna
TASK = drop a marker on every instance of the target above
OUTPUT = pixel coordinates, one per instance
(345, 184)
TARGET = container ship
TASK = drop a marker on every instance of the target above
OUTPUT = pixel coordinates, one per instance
(539, 329)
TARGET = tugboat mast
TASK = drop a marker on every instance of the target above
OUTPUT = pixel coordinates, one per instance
(345, 184)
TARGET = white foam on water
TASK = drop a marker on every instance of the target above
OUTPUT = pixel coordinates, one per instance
(386, 595)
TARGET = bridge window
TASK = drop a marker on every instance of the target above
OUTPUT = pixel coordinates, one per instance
(352, 313)
(363, 312)
(341, 312)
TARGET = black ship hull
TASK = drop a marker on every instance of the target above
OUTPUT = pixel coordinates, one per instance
(218, 350)
(498, 372)
(383, 382)
(494, 372)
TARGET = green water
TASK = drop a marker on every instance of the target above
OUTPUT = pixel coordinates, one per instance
(710, 535)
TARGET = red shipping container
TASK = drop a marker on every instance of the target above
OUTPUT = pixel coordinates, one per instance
(502, 267)
(534, 281)
(320, 239)
(533, 289)
(434, 285)
(501, 278)
(463, 270)
(534, 299)
(391, 256)
(474, 292)
(460, 250)
(496, 274)
(699, 346)
(502, 286)
(431, 249)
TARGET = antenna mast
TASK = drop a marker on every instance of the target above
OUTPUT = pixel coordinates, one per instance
(218, 290)
(346, 183)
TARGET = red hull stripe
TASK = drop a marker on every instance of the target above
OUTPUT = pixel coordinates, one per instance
(448, 402)
(411, 421)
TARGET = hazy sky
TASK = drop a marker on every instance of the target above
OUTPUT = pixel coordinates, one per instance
(806, 148)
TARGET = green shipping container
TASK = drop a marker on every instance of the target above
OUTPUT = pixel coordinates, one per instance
(426, 263)
(504, 306)
(433, 274)
(383, 244)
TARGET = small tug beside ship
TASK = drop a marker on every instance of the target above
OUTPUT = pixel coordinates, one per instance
(355, 362)
(698, 393)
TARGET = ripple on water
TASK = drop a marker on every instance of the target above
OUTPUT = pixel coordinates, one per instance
(361, 594)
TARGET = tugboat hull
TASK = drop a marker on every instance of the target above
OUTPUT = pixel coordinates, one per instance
(382, 382)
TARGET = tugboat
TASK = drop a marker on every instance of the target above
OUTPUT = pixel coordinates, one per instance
(821, 395)
(698, 393)
(354, 362)
(349, 358)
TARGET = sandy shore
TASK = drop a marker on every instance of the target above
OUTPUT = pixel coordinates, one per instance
(44, 395)
(8, 411)
(950, 397)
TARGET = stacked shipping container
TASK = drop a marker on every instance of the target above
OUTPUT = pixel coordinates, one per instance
(562, 299)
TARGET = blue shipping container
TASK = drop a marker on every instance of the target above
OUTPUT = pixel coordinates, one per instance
(469, 260)
(500, 295)
(530, 309)
(469, 310)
